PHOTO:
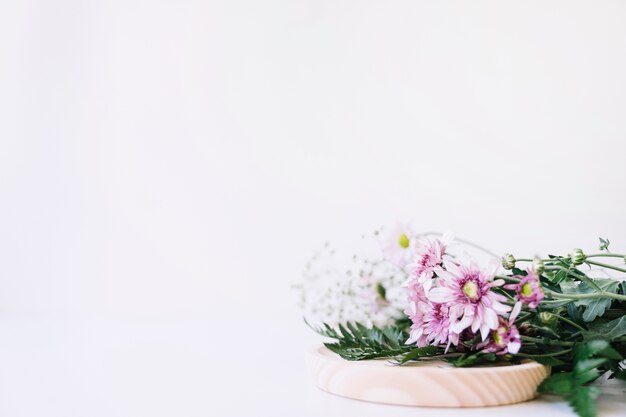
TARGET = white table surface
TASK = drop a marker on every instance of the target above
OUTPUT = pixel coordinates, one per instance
(60, 366)
(167, 167)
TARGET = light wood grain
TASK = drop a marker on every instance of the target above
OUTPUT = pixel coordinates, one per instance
(427, 383)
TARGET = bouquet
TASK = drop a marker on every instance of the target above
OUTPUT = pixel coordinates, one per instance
(422, 300)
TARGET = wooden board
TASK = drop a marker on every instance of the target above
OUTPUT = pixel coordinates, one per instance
(427, 383)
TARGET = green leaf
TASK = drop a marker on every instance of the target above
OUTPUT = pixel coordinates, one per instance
(517, 271)
(418, 353)
(583, 401)
(608, 331)
(587, 376)
(596, 308)
(586, 365)
(581, 398)
(561, 383)
(590, 348)
(394, 336)
(604, 244)
(345, 333)
(354, 341)
(559, 277)
(549, 361)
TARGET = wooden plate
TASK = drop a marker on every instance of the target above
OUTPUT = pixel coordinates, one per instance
(427, 383)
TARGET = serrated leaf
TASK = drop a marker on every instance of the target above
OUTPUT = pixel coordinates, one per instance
(592, 283)
(561, 383)
(353, 329)
(393, 335)
(418, 353)
(608, 331)
(590, 348)
(345, 333)
(596, 308)
(583, 401)
(354, 341)
(587, 376)
(605, 285)
(586, 365)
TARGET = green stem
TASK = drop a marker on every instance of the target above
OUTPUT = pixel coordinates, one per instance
(572, 271)
(603, 265)
(531, 260)
(544, 355)
(605, 255)
(573, 335)
(598, 294)
(570, 322)
(506, 278)
(548, 342)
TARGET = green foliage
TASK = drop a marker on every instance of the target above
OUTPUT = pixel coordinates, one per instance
(596, 306)
(604, 244)
(608, 331)
(354, 341)
(589, 358)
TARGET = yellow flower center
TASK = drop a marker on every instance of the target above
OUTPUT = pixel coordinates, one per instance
(497, 339)
(470, 289)
(527, 290)
(403, 241)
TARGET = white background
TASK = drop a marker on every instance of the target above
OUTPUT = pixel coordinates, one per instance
(167, 167)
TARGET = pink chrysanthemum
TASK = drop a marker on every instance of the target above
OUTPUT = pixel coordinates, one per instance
(418, 307)
(437, 321)
(417, 334)
(430, 255)
(466, 290)
(505, 339)
(529, 289)
(431, 323)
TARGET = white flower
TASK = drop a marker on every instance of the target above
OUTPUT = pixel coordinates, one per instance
(399, 245)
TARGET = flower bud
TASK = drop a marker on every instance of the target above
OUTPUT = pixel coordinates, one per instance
(538, 265)
(508, 261)
(577, 256)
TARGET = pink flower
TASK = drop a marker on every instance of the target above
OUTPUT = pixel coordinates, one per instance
(431, 323)
(466, 290)
(399, 246)
(437, 321)
(418, 307)
(430, 255)
(417, 334)
(529, 289)
(505, 339)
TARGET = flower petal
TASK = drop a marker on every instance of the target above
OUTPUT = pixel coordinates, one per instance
(490, 319)
(441, 295)
(516, 309)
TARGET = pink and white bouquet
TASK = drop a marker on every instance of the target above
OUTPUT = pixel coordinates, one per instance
(424, 299)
